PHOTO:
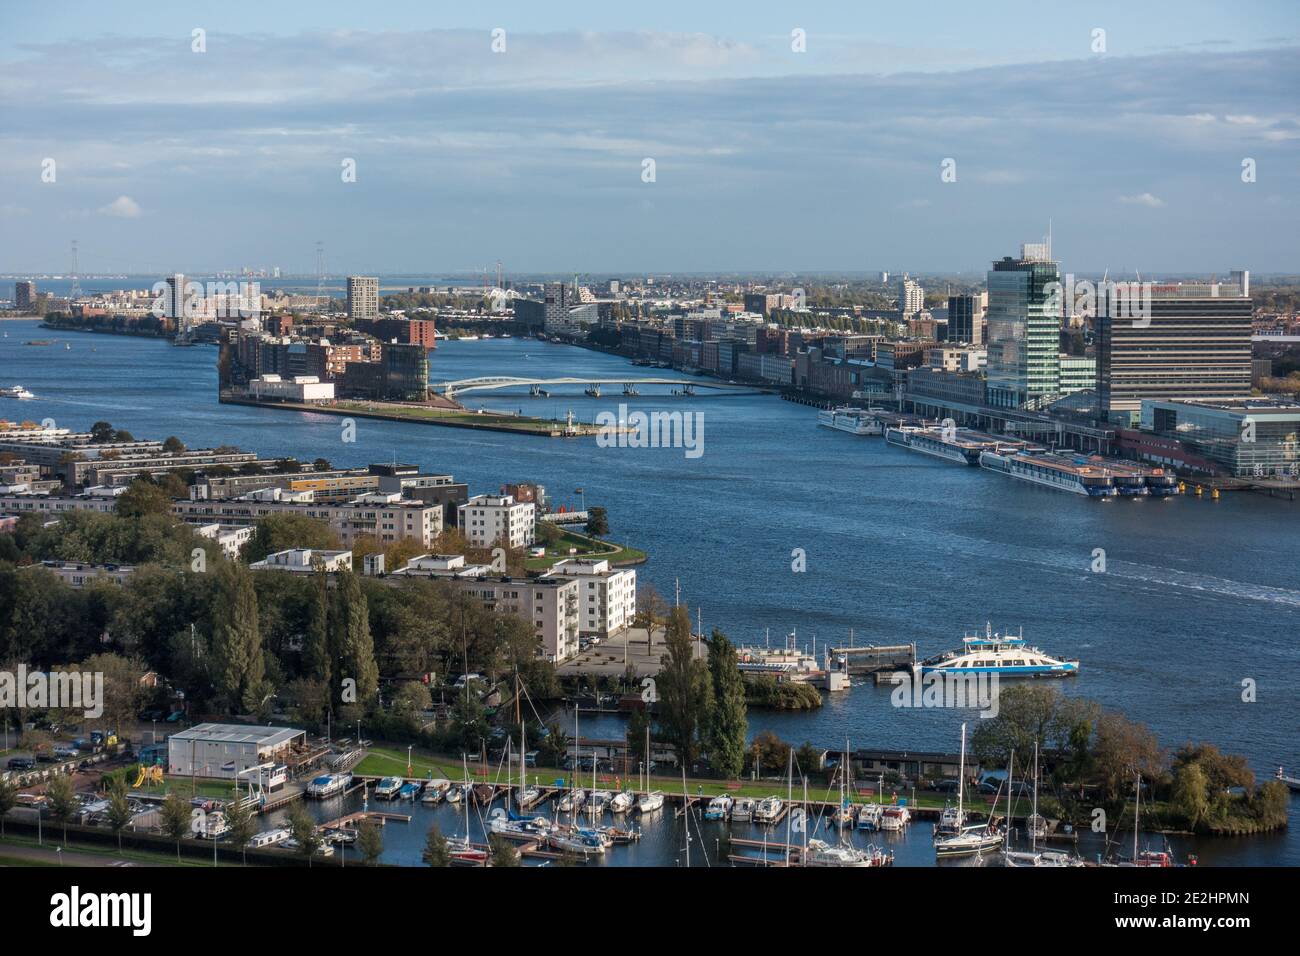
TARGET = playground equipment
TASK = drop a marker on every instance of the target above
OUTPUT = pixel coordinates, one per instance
(154, 776)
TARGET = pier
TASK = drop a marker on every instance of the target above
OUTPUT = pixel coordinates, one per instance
(874, 658)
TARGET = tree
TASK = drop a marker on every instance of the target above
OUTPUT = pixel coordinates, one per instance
(119, 807)
(176, 816)
(597, 521)
(356, 648)
(243, 826)
(304, 832)
(436, 851)
(317, 652)
(143, 497)
(63, 802)
(1124, 749)
(728, 726)
(683, 688)
(501, 853)
(236, 638)
(101, 432)
(280, 532)
(650, 608)
(8, 800)
(173, 445)
(1190, 796)
(369, 841)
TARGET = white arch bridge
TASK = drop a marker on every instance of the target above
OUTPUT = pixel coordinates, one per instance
(450, 389)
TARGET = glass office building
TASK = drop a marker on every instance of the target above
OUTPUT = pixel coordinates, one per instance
(1250, 437)
(1024, 329)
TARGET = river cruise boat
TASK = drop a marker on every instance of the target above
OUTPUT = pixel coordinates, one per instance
(1077, 475)
(855, 421)
(328, 785)
(388, 788)
(993, 653)
(958, 445)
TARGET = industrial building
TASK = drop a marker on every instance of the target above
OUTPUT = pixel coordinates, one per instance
(225, 750)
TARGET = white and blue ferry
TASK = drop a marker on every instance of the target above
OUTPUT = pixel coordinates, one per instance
(993, 653)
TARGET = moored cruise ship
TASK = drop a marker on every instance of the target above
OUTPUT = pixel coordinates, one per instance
(993, 653)
(855, 421)
(1078, 475)
(962, 445)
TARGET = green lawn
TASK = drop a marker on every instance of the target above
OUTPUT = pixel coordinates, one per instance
(585, 547)
(386, 761)
(54, 837)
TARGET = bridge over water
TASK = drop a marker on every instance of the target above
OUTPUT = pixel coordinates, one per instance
(450, 389)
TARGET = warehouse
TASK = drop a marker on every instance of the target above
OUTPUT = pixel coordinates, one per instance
(223, 750)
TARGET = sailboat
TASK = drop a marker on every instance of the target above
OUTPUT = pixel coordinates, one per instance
(1037, 828)
(1147, 858)
(968, 841)
(462, 851)
(518, 826)
(844, 853)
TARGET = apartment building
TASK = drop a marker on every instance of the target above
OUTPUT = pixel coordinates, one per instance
(488, 520)
(607, 595)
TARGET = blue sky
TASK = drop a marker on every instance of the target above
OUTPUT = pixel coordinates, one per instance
(765, 158)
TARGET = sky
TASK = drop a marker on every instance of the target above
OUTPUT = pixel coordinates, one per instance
(799, 137)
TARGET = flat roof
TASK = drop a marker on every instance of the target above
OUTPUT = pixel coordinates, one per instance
(239, 734)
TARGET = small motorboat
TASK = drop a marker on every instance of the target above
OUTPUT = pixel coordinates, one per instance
(743, 809)
(768, 810)
(15, 391)
(821, 853)
(409, 790)
(435, 791)
(719, 808)
(869, 816)
(895, 819)
(598, 802)
(388, 788)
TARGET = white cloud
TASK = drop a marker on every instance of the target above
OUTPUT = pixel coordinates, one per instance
(1143, 199)
(123, 207)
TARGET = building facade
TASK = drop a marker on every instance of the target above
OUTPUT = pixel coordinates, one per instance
(488, 520)
(363, 297)
(1024, 326)
(607, 595)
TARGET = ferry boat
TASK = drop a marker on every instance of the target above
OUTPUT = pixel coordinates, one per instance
(743, 809)
(651, 802)
(388, 788)
(719, 808)
(328, 785)
(15, 391)
(847, 418)
(993, 653)
(1077, 475)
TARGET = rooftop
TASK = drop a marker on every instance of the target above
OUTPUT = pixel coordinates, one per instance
(238, 734)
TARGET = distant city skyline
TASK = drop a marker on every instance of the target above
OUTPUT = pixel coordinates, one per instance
(766, 160)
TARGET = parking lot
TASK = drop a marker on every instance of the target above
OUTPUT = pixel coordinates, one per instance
(612, 656)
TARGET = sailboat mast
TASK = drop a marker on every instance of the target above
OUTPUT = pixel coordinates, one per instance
(1011, 766)
(1033, 822)
(789, 798)
(961, 777)
(1137, 815)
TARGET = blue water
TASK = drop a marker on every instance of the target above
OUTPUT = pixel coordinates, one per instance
(1198, 596)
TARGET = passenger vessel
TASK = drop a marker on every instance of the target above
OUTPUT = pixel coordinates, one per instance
(1077, 475)
(993, 653)
(855, 421)
(15, 391)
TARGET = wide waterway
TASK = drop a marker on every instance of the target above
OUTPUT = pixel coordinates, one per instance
(1197, 596)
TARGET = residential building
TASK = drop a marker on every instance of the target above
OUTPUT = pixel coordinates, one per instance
(304, 561)
(24, 296)
(607, 596)
(911, 296)
(488, 520)
(363, 297)
(79, 575)
(385, 517)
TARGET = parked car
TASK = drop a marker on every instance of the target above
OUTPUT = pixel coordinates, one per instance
(21, 763)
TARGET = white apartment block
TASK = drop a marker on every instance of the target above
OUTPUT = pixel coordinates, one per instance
(550, 604)
(80, 575)
(488, 520)
(607, 595)
(387, 520)
(304, 561)
(230, 538)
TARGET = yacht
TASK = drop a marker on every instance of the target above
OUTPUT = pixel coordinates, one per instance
(743, 809)
(578, 841)
(409, 790)
(622, 802)
(992, 653)
(388, 788)
(968, 840)
(855, 421)
(950, 821)
(821, 853)
(651, 802)
(1037, 826)
(512, 826)
(527, 796)
(768, 810)
(435, 791)
(869, 816)
(719, 808)
(572, 801)
(15, 391)
(329, 785)
(895, 819)
(598, 802)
